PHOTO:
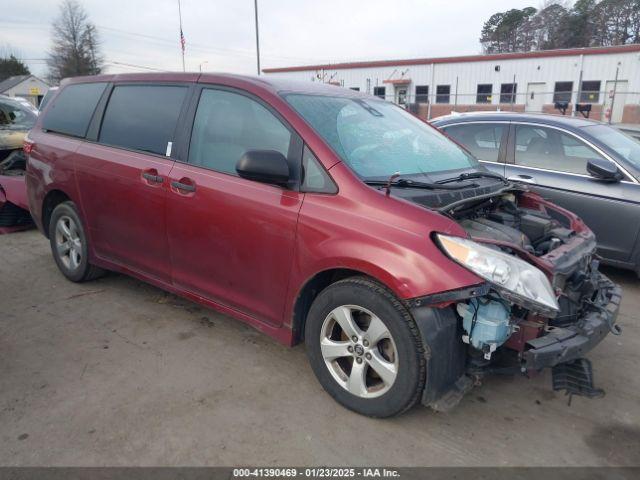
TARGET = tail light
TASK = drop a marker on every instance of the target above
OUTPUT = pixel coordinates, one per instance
(27, 146)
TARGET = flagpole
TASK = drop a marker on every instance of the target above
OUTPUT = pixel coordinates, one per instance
(255, 6)
(181, 34)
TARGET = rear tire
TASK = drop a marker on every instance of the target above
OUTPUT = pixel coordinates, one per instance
(365, 348)
(69, 244)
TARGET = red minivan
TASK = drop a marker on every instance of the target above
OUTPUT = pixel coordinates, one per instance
(319, 214)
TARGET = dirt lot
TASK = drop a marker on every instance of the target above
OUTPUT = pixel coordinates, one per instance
(116, 372)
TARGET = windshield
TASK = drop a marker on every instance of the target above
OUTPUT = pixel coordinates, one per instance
(377, 139)
(14, 115)
(627, 147)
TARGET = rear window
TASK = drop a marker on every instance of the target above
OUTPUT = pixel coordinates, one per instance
(47, 98)
(142, 117)
(73, 108)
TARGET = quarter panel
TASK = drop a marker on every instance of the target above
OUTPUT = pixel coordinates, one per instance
(50, 166)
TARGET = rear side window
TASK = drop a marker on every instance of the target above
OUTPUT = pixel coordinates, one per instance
(142, 117)
(73, 108)
(483, 140)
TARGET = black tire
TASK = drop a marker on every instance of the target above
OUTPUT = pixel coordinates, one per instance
(83, 271)
(409, 381)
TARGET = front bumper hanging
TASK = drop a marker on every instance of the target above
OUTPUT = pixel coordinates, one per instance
(566, 344)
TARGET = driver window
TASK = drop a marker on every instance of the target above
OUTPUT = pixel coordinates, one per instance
(229, 124)
(551, 149)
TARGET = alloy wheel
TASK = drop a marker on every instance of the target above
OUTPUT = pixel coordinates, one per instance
(359, 351)
(68, 243)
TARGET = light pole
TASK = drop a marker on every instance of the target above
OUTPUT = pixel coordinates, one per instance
(613, 93)
(255, 5)
(206, 61)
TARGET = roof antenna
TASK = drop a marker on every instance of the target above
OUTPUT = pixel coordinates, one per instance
(390, 181)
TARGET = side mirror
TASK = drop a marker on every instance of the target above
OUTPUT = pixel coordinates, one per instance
(603, 170)
(265, 166)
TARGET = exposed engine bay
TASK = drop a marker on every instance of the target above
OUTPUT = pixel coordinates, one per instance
(531, 230)
(544, 304)
(560, 245)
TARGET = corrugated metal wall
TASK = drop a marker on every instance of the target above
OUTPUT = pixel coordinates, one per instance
(544, 71)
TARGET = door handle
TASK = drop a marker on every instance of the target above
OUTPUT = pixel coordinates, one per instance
(185, 187)
(152, 178)
(523, 179)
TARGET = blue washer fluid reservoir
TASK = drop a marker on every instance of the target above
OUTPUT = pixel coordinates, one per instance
(486, 323)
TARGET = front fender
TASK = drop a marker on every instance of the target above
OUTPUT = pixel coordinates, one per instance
(399, 253)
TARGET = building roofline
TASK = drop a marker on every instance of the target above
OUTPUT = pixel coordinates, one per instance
(12, 81)
(461, 59)
(15, 80)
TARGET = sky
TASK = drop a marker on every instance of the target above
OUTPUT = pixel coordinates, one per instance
(220, 34)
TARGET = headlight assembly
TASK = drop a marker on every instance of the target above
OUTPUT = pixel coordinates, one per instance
(515, 279)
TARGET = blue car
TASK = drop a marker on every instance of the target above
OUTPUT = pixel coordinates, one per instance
(588, 167)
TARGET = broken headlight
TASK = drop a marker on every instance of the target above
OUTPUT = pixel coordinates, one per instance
(515, 279)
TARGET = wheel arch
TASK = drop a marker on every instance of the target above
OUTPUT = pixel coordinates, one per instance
(51, 200)
(311, 289)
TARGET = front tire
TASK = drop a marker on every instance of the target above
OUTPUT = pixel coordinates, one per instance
(365, 348)
(69, 244)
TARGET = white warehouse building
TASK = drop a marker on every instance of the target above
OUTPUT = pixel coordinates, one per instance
(604, 82)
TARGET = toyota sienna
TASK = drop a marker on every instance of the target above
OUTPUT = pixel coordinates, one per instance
(320, 214)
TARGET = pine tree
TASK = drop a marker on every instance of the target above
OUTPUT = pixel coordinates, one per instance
(10, 65)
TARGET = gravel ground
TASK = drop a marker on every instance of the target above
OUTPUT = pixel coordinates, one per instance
(116, 372)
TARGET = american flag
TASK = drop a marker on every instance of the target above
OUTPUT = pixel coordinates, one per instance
(183, 42)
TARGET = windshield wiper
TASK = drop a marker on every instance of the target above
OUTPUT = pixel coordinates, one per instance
(407, 183)
(470, 175)
(369, 108)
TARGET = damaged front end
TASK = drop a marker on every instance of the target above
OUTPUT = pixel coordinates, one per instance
(543, 302)
(15, 122)
(14, 206)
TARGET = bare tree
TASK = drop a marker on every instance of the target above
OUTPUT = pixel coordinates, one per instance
(76, 47)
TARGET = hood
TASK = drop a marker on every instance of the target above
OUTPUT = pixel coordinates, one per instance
(11, 139)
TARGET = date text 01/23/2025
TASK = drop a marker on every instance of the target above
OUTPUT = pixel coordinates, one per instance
(320, 472)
